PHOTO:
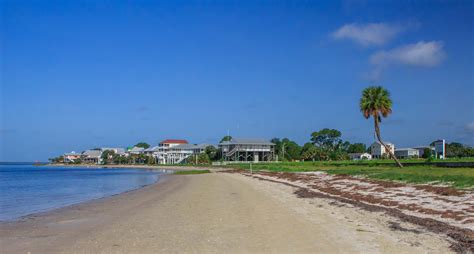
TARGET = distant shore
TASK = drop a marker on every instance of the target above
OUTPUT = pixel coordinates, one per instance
(216, 212)
(160, 167)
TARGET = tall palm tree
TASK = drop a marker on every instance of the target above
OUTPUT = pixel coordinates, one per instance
(376, 102)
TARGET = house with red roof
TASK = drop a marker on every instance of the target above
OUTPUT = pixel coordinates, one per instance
(172, 142)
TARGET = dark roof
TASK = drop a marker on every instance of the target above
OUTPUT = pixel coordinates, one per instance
(174, 141)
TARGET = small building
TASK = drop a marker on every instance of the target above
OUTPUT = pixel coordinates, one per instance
(378, 151)
(91, 156)
(407, 153)
(421, 150)
(71, 157)
(440, 149)
(136, 150)
(360, 156)
(247, 150)
(117, 150)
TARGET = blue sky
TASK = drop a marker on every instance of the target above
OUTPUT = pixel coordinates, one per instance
(84, 74)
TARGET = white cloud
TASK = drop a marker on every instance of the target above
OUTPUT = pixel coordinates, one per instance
(469, 128)
(368, 34)
(425, 54)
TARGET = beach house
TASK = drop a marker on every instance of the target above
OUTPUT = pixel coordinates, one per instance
(136, 150)
(254, 150)
(91, 156)
(407, 153)
(117, 150)
(175, 151)
(378, 151)
(71, 157)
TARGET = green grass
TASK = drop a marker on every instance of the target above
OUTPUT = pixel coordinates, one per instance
(192, 172)
(456, 177)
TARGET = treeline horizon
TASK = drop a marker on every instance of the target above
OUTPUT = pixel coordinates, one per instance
(323, 145)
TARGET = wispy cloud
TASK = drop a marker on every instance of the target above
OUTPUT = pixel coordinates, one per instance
(420, 54)
(426, 54)
(368, 34)
(469, 128)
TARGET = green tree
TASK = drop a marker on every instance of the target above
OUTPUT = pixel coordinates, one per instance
(203, 158)
(327, 139)
(211, 152)
(291, 149)
(427, 153)
(277, 143)
(308, 152)
(226, 138)
(142, 144)
(357, 148)
(376, 103)
(107, 156)
(287, 149)
(459, 150)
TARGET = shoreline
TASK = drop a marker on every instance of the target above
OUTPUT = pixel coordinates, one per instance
(162, 177)
(135, 166)
(47, 212)
(214, 212)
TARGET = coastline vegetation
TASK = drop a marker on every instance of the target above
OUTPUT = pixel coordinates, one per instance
(192, 172)
(380, 170)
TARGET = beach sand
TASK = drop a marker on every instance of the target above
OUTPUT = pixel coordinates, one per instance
(214, 213)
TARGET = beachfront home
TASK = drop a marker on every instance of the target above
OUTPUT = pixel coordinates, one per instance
(378, 151)
(247, 150)
(71, 157)
(120, 151)
(172, 142)
(175, 151)
(360, 156)
(136, 150)
(91, 156)
(406, 153)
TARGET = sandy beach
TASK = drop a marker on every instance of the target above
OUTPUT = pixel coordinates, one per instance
(216, 213)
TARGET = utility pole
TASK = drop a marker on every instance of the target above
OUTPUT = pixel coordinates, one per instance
(283, 151)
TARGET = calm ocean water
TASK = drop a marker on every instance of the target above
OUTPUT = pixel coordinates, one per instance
(27, 189)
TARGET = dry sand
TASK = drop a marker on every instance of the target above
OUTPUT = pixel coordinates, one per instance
(214, 213)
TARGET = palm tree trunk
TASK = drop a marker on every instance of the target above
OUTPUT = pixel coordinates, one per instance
(377, 133)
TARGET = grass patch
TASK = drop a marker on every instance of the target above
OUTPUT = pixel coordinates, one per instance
(192, 172)
(456, 177)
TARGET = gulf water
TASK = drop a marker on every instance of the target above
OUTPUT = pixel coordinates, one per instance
(28, 189)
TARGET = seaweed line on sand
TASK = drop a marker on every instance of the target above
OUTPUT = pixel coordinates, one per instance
(463, 239)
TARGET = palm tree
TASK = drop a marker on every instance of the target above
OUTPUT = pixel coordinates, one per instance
(376, 102)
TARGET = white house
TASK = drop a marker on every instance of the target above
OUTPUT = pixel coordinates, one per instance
(120, 151)
(406, 153)
(91, 156)
(255, 150)
(378, 151)
(136, 150)
(175, 151)
(360, 156)
(71, 157)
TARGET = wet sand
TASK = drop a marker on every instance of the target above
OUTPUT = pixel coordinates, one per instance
(214, 213)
